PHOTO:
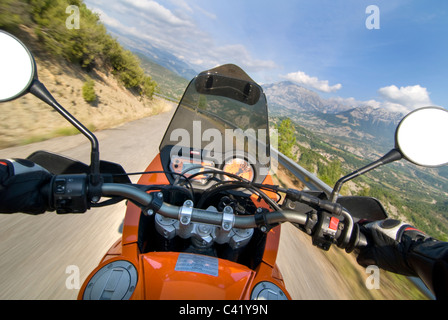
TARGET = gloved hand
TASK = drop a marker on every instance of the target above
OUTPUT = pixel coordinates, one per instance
(390, 242)
(20, 187)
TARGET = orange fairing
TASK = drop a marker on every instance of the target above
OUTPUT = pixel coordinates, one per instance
(272, 244)
(155, 178)
(132, 218)
(184, 276)
(187, 276)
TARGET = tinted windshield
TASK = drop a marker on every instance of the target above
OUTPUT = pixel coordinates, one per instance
(222, 111)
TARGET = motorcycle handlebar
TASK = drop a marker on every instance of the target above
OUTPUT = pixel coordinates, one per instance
(211, 217)
(199, 215)
(73, 194)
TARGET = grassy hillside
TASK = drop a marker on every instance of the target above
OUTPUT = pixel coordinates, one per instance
(28, 119)
(85, 69)
(83, 41)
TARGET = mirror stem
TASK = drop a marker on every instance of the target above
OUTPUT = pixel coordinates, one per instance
(40, 91)
(391, 156)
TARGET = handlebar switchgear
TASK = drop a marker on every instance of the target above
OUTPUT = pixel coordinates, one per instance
(69, 193)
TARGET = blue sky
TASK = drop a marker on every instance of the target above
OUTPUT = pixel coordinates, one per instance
(323, 45)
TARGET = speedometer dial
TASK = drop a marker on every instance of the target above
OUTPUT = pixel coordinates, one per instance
(239, 167)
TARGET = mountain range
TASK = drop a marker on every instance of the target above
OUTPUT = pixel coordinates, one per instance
(293, 97)
(360, 125)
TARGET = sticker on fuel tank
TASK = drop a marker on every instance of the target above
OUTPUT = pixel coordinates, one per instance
(197, 263)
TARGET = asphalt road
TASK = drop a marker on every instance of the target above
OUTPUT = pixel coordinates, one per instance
(40, 256)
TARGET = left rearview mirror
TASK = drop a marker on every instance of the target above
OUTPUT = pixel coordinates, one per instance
(18, 76)
(17, 67)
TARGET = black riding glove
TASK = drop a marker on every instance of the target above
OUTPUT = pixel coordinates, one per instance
(20, 187)
(389, 244)
(400, 248)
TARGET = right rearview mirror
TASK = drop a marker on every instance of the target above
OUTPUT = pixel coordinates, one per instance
(422, 137)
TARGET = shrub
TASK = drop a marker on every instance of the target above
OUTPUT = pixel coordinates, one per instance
(88, 91)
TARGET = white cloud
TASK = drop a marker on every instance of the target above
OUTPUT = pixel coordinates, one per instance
(158, 12)
(238, 54)
(392, 98)
(174, 29)
(353, 103)
(209, 15)
(302, 78)
(107, 20)
(182, 5)
(404, 99)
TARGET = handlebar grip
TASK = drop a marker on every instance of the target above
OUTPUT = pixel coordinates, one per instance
(357, 239)
(362, 241)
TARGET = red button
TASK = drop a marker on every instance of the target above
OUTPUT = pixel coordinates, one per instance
(334, 223)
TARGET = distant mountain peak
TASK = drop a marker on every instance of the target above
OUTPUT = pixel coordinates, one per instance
(292, 96)
(374, 115)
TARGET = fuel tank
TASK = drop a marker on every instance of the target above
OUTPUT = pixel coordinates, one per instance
(185, 276)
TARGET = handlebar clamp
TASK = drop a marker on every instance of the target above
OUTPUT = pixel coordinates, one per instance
(155, 204)
(228, 219)
(261, 220)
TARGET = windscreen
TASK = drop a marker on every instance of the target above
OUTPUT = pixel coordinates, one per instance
(222, 113)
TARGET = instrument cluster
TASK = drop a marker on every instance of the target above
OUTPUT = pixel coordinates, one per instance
(192, 167)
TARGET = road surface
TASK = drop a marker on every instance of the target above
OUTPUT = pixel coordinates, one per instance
(41, 255)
